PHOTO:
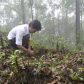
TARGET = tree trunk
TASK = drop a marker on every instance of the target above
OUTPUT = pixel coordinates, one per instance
(23, 12)
(81, 30)
(77, 23)
(31, 4)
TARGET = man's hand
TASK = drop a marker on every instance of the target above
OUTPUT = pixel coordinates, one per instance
(28, 51)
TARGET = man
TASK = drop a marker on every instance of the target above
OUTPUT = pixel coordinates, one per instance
(19, 36)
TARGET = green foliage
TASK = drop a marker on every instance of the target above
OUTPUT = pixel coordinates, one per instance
(2, 55)
(51, 42)
(13, 58)
(78, 76)
(49, 64)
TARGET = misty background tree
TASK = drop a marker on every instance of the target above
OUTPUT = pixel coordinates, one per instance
(61, 19)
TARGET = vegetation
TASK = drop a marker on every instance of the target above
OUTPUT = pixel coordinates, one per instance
(48, 66)
(59, 51)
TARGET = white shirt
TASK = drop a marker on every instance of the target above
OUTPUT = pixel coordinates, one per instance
(18, 32)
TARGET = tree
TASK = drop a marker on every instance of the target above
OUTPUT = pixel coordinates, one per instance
(77, 22)
(67, 7)
(23, 12)
(31, 5)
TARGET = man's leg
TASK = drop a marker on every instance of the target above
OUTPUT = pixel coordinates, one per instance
(12, 44)
(25, 42)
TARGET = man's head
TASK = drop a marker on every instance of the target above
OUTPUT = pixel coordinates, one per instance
(34, 26)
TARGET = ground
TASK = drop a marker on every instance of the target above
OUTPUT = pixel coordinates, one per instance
(47, 67)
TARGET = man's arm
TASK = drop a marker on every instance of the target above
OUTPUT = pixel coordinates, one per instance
(19, 37)
(29, 45)
(28, 51)
(30, 48)
(22, 48)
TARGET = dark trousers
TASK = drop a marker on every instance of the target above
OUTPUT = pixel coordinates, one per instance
(25, 42)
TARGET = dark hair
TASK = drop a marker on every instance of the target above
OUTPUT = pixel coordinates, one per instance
(35, 24)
